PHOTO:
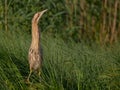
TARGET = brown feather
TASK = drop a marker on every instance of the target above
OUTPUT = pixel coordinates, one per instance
(35, 55)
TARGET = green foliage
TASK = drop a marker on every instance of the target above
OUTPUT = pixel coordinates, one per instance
(66, 66)
(76, 19)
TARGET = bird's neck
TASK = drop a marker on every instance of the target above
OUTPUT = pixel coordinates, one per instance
(35, 36)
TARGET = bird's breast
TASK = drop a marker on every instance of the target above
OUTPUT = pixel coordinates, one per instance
(34, 58)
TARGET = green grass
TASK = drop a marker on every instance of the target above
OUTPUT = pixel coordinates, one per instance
(66, 66)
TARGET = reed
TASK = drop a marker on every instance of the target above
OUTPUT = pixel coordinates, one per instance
(86, 20)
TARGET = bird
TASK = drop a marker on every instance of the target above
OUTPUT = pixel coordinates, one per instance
(35, 55)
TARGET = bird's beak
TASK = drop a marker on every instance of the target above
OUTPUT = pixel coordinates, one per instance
(42, 12)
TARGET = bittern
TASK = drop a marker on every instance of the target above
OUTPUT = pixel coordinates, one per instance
(35, 57)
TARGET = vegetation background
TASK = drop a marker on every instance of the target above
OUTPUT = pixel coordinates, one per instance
(80, 39)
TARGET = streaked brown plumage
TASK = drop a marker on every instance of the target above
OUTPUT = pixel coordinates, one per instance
(35, 51)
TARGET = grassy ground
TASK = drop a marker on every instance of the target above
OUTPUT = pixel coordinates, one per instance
(66, 66)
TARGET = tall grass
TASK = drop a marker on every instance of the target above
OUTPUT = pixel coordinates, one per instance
(66, 66)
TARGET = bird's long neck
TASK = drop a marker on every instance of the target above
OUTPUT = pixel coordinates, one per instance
(35, 36)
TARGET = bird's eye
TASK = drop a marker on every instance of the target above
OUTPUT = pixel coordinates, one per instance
(38, 14)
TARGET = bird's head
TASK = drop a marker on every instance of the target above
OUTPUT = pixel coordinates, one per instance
(37, 16)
